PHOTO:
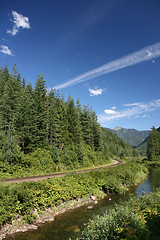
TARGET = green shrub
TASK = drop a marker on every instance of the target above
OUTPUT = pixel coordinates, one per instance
(137, 219)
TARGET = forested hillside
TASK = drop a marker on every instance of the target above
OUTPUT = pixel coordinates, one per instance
(132, 137)
(40, 130)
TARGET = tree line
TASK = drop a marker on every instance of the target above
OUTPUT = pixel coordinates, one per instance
(32, 118)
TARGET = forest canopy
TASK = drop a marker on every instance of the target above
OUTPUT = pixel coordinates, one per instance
(39, 128)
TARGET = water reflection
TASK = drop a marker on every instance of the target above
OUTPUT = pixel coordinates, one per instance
(144, 187)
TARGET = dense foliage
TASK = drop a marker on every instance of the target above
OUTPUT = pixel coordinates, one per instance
(153, 145)
(40, 132)
(137, 219)
(143, 148)
(23, 198)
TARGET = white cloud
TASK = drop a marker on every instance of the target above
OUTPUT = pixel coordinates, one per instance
(6, 50)
(145, 116)
(19, 22)
(110, 111)
(95, 92)
(145, 54)
(132, 111)
(113, 107)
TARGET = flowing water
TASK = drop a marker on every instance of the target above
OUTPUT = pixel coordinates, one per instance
(70, 224)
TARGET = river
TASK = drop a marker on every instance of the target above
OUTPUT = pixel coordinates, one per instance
(70, 224)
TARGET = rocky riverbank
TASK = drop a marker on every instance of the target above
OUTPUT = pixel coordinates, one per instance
(19, 225)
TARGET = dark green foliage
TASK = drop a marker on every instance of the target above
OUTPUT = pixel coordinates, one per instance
(153, 145)
(143, 147)
(40, 133)
(115, 146)
(32, 119)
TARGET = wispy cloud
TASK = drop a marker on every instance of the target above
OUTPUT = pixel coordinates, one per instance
(145, 54)
(95, 92)
(130, 104)
(6, 50)
(19, 22)
(130, 110)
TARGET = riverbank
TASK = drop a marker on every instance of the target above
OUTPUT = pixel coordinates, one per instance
(19, 225)
(137, 218)
(38, 202)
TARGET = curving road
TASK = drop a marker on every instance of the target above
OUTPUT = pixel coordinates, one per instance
(42, 177)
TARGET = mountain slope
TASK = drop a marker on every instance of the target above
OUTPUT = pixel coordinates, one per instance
(132, 137)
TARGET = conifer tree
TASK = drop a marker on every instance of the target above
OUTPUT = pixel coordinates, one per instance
(87, 126)
(52, 118)
(40, 111)
(153, 145)
(62, 123)
(25, 119)
(74, 126)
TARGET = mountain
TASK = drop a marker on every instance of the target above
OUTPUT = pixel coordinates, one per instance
(132, 137)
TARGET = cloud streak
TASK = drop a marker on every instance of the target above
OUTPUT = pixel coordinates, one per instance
(6, 50)
(19, 22)
(145, 54)
(131, 110)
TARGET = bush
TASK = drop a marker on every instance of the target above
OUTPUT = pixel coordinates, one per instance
(136, 219)
(23, 198)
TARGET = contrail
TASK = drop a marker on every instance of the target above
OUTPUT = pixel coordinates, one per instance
(145, 54)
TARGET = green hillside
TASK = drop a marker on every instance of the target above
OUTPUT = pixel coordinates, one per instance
(132, 137)
(40, 132)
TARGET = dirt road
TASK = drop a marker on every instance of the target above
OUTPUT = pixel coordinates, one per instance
(42, 177)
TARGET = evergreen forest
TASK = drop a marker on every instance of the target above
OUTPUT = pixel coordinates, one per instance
(41, 132)
(153, 145)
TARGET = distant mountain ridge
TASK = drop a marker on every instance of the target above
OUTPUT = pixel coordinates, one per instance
(131, 136)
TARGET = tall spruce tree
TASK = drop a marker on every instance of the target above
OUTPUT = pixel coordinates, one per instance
(26, 119)
(52, 121)
(40, 111)
(153, 145)
(74, 126)
(87, 126)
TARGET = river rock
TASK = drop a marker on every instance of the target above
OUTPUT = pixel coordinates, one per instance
(89, 207)
(93, 198)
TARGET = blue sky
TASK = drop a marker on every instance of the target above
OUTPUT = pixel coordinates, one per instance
(105, 52)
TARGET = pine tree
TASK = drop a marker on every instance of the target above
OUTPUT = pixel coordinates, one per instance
(74, 126)
(25, 119)
(40, 111)
(87, 126)
(61, 123)
(10, 145)
(97, 135)
(153, 145)
(52, 118)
